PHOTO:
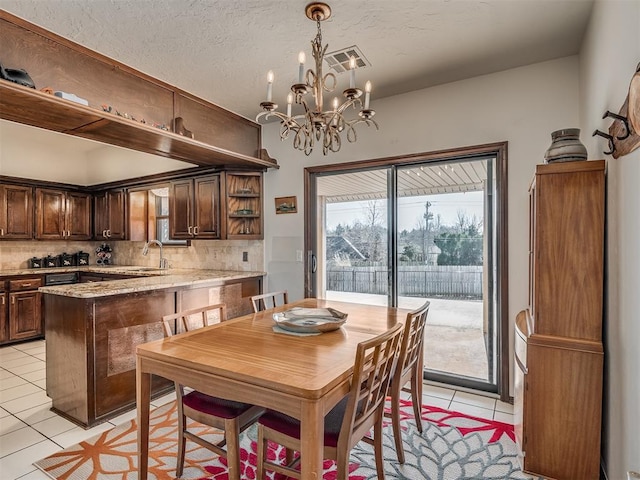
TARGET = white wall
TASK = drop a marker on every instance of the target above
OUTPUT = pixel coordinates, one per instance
(522, 106)
(608, 59)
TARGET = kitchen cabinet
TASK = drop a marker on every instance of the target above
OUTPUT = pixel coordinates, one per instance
(559, 354)
(91, 342)
(221, 137)
(62, 215)
(194, 208)
(16, 212)
(109, 215)
(22, 315)
(243, 205)
(4, 306)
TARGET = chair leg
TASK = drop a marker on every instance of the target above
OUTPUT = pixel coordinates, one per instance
(395, 422)
(377, 447)
(262, 451)
(288, 456)
(416, 397)
(342, 463)
(182, 444)
(232, 435)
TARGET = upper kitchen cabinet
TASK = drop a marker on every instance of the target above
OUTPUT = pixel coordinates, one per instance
(194, 211)
(16, 212)
(62, 215)
(140, 112)
(243, 205)
(109, 215)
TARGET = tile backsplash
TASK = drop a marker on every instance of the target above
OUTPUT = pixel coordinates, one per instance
(16, 255)
(207, 254)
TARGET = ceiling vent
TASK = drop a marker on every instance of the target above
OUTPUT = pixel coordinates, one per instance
(339, 60)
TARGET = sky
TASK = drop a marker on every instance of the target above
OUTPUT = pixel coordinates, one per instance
(411, 209)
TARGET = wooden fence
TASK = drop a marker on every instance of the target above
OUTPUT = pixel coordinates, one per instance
(413, 281)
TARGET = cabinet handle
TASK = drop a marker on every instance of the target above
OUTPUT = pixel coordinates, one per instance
(13, 300)
(195, 230)
(25, 285)
(104, 233)
(3, 299)
(190, 230)
(109, 233)
(2, 232)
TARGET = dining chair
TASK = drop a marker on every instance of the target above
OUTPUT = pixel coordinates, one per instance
(229, 416)
(409, 369)
(194, 318)
(349, 421)
(269, 300)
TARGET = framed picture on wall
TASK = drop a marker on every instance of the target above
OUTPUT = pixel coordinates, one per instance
(286, 205)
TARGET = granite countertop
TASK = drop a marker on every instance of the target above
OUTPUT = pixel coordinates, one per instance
(148, 278)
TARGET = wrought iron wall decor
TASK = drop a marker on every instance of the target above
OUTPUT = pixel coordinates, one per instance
(624, 132)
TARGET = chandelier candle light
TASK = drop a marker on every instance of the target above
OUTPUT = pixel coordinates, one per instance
(315, 124)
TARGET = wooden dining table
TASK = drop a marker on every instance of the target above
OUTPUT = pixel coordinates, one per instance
(245, 360)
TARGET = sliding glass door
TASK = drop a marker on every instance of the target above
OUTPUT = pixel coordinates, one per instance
(401, 235)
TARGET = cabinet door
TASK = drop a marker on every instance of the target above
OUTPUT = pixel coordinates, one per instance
(16, 212)
(181, 209)
(207, 207)
(50, 214)
(25, 315)
(78, 216)
(4, 328)
(100, 216)
(116, 201)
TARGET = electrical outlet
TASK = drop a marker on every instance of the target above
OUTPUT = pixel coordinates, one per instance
(299, 256)
(245, 256)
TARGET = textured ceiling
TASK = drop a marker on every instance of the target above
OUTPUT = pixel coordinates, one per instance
(221, 49)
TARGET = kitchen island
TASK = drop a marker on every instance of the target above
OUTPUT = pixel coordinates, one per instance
(92, 330)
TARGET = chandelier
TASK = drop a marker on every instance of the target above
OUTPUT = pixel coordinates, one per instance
(317, 124)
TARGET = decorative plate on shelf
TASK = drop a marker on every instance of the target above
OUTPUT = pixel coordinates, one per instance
(310, 320)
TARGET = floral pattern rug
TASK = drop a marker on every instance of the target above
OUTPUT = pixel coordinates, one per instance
(452, 446)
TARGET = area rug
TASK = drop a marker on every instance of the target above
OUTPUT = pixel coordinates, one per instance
(452, 446)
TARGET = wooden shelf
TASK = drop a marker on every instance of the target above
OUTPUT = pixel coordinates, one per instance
(237, 224)
(31, 107)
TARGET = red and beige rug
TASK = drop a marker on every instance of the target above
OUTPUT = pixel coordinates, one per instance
(452, 446)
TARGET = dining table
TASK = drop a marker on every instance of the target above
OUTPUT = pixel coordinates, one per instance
(245, 359)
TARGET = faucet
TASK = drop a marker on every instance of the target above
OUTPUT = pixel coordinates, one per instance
(164, 264)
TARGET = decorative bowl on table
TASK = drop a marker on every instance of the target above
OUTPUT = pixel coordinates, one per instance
(310, 320)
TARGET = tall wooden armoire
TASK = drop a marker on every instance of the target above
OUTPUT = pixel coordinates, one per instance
(558, 342)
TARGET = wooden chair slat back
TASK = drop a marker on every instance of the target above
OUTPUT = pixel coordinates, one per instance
(413, 339)
(375, 363)
(194, 318)
(269, 300)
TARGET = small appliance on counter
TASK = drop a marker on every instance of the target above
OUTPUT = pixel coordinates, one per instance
(66, 260)
(35, 262)
(82, 258)
(50, 261)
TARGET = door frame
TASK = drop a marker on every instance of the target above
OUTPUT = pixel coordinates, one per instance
(499, 151)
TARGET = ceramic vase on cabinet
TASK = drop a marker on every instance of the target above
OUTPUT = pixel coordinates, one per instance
(565, 146)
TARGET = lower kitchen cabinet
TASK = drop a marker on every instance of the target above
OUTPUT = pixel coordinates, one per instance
(557, 408)
(21, 310)
(4, 324)
(25, 315)
(91, 343)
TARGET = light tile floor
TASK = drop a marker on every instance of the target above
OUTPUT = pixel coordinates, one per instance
(29, 430)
